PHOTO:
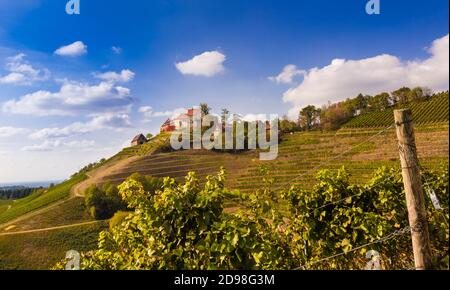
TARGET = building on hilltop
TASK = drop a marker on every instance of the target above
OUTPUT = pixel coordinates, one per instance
(138, 140)
(180, 122)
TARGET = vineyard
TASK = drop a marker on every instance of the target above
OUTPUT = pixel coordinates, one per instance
(276, 190)
(331, 226)
(434, 111)
(298, 153)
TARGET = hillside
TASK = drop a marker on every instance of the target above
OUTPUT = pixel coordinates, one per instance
(435, 110)
(300, 156)
(298, 153)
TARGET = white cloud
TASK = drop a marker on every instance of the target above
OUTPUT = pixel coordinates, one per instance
(20, 72)
(107, 121)
(12, 78)
(48, 145)
(116, 49)
(347, 78)
(73, 99)
(207, 64)
(6, 132)
(148, 113)
(111, 121)
(256, 117)
(124, 76)
(75, 49)
(287, 75)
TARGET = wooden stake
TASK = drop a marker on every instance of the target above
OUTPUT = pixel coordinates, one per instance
(414, 191)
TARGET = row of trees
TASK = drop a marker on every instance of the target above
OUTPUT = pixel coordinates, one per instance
(15, 192)
(332, 116)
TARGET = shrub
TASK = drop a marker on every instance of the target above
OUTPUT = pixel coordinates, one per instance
(118, 218)
(103, 203)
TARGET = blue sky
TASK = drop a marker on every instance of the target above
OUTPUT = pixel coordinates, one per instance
(328, 50)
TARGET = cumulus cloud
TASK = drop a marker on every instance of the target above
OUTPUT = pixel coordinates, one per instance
(346, 78)
(123, 77)
(21, 72)
(207, 64)
(6, 132)
(75, 49)
(148, 113)
(107, 121)
(73, 99)
(287, 75)
(50, 145)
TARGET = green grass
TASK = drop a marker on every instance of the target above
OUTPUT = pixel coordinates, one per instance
(4, 205)
(41, 251)
(69, 212)
(435, 110)
(38, 200)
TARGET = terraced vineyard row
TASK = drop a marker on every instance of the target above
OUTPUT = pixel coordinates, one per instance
(434, 111)
(298, 154)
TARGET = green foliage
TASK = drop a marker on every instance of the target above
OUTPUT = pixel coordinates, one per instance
(432, 111)
(367, 111)
(286, 126)
(117, 219)
(323, 226)
(309, 117)
(184, 226)
(103, 202)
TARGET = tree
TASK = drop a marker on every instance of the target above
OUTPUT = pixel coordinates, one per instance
(419, 94)
(205, 109)
(401, 96)
(103, 202)
(333, 117)
(380, 102)
(149, 136)
(309, 116)
(224, 115)
(286, 125)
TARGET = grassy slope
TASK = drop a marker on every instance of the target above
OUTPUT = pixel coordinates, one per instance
(4, 204)
(71, 211)
(38, 200)
(298, 154)
(44, 250)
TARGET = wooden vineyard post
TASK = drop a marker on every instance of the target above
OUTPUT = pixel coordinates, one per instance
(413, 189)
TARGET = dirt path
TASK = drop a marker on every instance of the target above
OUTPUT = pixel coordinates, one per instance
(76, 191)
(97, 176)
(33, 213)
(50, 229)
